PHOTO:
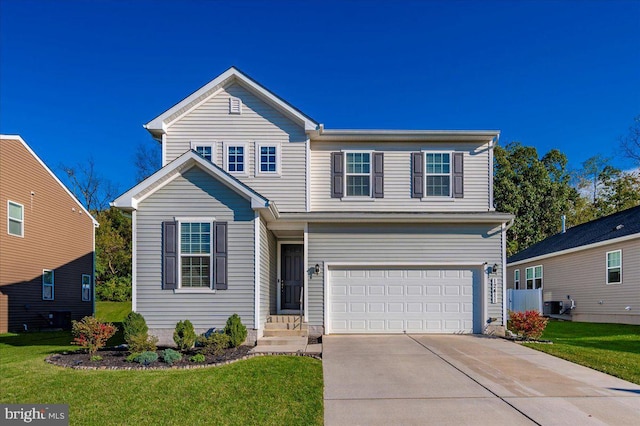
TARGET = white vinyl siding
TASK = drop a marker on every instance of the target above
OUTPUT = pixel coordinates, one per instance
(192, 195)
(397, 178)
(259, 123)
(268, 272)
(48, 284)
(533, 277)
(614, 267)
(15, 219)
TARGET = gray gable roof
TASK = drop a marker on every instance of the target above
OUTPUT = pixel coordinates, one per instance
(621, 224)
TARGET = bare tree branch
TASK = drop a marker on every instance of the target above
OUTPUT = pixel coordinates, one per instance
(631, 142)
(94, 191)
(147, 160)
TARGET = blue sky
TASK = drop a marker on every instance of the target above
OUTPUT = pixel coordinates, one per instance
(79, 78)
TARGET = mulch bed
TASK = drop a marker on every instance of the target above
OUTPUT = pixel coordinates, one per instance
(115, 359)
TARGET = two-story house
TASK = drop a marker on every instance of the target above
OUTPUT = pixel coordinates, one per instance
(260, 210)
(47, 245)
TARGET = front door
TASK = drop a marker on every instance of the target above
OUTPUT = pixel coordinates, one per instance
(291, 278)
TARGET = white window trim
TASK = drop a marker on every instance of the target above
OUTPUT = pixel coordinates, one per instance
(278, 147)
(9, 218)
(52, 285)
(607, 267)
(195, 144)
(450, 174)
(516, 279)
(225, 155)
(233, 100)
(194, 219)
(526, 286)
(370, 174)
(82, 288)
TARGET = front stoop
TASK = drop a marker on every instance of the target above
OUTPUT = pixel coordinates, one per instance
(285, 334)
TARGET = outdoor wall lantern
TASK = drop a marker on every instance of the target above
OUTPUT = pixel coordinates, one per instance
(494, 268)
(317, 270)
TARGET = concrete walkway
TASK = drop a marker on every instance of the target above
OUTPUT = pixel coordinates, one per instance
(465, 380)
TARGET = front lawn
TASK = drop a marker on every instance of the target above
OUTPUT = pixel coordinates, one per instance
(270, 390)
(611, 348)
(112, 311)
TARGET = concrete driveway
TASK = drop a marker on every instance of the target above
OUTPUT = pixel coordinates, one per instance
(465, 380)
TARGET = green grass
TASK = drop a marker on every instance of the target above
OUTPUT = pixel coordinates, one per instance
(269, 390)
(611, 348)
(112, 311)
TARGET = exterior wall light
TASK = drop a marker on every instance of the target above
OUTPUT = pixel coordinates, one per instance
(317, 270)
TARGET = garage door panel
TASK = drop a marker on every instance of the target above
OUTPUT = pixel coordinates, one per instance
(396, 300)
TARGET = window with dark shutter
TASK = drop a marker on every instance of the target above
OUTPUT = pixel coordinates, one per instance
(378, 175)
(220, 256)
(458, 175)
(337, 175)
(417, 175)
(169, 255)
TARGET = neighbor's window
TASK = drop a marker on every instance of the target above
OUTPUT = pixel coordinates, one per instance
(15, 213)
(235, 158)
(614, 267)
(86, 288)
(534, 277)
(516, 279)
(358, 174)
(195, 254)
(268, 159)
(47, 284)
(206, 150)
(438, 174)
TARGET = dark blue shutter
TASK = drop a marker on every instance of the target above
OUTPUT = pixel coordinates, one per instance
(337, 175)
(378, 175)
(220, 255)
(169, 255)
(417, 175)
(458, 175)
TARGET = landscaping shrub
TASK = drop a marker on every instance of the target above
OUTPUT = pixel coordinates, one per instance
(236, 331)
(215, 343)
(136, 333)
(146, 358)
(170, 356)
(184, 335)
(197, 358)
(529, 324)
(132, 356)
(142, 343)
(91, 334)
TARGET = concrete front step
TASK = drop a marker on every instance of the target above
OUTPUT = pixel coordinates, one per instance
(283, 318)
(286, 326)
(282, 341)
(285, 332)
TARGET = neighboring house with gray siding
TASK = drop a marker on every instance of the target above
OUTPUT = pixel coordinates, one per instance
(595, 264)
(259, 210)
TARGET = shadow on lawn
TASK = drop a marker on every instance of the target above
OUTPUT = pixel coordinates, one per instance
(52, 338)
(614, 345)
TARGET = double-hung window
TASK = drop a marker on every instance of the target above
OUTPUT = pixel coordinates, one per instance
(86, 287)
(516, 279)
(614, 267)
(47, 284)
(195, 254)
(534, 277)
(268, 159)
(15, 219)
(235, 158)
(358, 174)
(205, 149)
(438, 174)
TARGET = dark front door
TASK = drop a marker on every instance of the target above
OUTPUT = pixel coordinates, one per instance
(291, 278)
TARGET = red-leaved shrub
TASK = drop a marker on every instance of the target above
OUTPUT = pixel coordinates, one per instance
(528, 324)
(91, 334)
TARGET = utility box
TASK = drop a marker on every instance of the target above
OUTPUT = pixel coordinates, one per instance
(551, 308)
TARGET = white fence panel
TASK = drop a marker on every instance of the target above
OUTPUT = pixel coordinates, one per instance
(524, 300)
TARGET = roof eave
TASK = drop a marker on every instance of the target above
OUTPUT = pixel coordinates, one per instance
(326, 135)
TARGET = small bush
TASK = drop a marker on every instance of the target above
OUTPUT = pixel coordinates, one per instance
(132, 356)
(197, 358)
(142, 343)
(184, 335)
(146, 358)
(134, 324)
(96, 358)
(529, 324)
(236, 331)
(91, 334)
(170, 356)
(215, 344)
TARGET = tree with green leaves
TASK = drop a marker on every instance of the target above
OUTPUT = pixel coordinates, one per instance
(113, 255)
(536, 190)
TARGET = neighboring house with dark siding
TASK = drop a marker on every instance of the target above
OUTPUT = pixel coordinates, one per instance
(596, 263)
(259, 210)
(46, 244)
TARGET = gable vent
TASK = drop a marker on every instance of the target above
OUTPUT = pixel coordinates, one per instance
(235, 106)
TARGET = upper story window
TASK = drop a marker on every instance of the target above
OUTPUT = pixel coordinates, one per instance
(15, 219)
(533, 277)
(438, 174)
(195, 254)
(47, 284)
(614, 267)
(205, 149)
(358, 174)
(516, 279)
(268, 159)
(235, 158)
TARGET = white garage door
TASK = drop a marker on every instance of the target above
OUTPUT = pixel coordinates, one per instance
(376, 300)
